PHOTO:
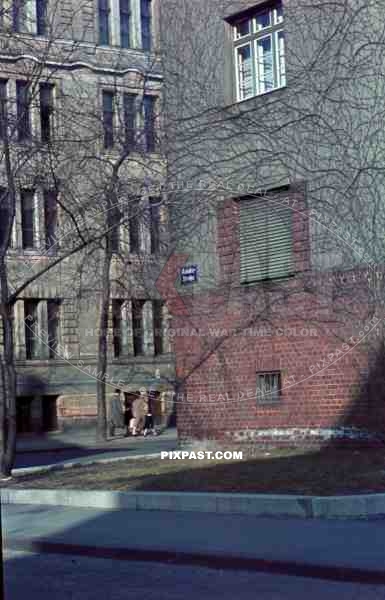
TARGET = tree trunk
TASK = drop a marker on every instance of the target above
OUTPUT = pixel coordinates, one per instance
(101, 431)
(7, 381)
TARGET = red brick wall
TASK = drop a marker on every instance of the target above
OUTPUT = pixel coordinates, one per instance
(308, 318)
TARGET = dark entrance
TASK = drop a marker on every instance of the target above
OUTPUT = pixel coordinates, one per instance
(49, 413)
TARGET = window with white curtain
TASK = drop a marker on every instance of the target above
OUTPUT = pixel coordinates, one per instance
(259, 49)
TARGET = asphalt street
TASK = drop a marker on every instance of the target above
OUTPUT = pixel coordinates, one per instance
(305, 542)
(58, 577)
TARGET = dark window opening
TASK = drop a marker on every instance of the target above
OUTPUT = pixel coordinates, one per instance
(146, 24)
(27, 219)
(124, 9)
(24, 414)
(129, 109)
(117, 327)
(23, 110)
(4, 213)
(104, 22)
(31, 329)
(49, 413)
(134, 229)
(53, 317)
(155, 224)
(41, 17)
(3, 109)
(137, 326)
(50, 219)
(46, 111)
(269, 387)
(157, 308)
(108, 118)
(17, 15)
(149, 123)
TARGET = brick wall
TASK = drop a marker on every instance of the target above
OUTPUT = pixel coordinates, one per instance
(307, 327)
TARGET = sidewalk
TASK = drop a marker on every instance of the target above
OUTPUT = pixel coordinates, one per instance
(79, 448)
(79, 439)
(334, 550)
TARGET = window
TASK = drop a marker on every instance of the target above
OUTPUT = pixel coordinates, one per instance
(28, 219)
(134, 229)
(124, 13)
(50, 219)
(108, 118)
(41, 17)
(157, 311)
(269, 387)
(149, 122)
(23, 110)
(104, 22)
(3, 218)
(265, 238)
(146, 24)
(154, 224)
(46, 111)
(129, 110)
(29, 16)
(117, 327)
(137, 326)
(259, 52)
(3, 109)
(53, 323)
(32, 345)
(114, 220)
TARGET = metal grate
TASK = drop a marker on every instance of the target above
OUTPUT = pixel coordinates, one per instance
(269, 387)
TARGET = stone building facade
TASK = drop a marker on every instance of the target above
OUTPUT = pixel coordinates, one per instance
(81, 91)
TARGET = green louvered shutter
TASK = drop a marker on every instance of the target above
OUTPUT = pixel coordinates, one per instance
(266, 240)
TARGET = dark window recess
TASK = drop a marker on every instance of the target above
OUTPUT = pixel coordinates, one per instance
(46, 111)
(108, 119)
(137, 326)
(157, 308)
(114, 220)
(117, 327)
(24, 414)
(41, 17)
(104, 22)
(155, 224)
(17, 15)
(31, 332)
(53, 319)
(149, 123)
(27, 219)
(50, 219)
(124, 13)
(146, 25)
(4, 211)
(129, 110)
(49, 413)
(23, 110)
(269, 387)
(3, 109)
(134, 229)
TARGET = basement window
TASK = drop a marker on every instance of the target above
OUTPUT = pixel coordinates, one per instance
(269, 387)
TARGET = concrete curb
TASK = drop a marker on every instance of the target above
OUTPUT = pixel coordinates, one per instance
(60, 466)
(331, 507)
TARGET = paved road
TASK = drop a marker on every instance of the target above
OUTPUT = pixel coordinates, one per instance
(49, 577)
(327, 544)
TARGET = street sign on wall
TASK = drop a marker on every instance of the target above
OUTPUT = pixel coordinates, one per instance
(189, 274)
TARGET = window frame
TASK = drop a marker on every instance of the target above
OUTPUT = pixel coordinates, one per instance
(23, 110)
(251, 39)
(271, 401)
(28, 231)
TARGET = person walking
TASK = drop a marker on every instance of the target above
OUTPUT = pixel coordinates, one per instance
(116, 412)
(138, 413)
